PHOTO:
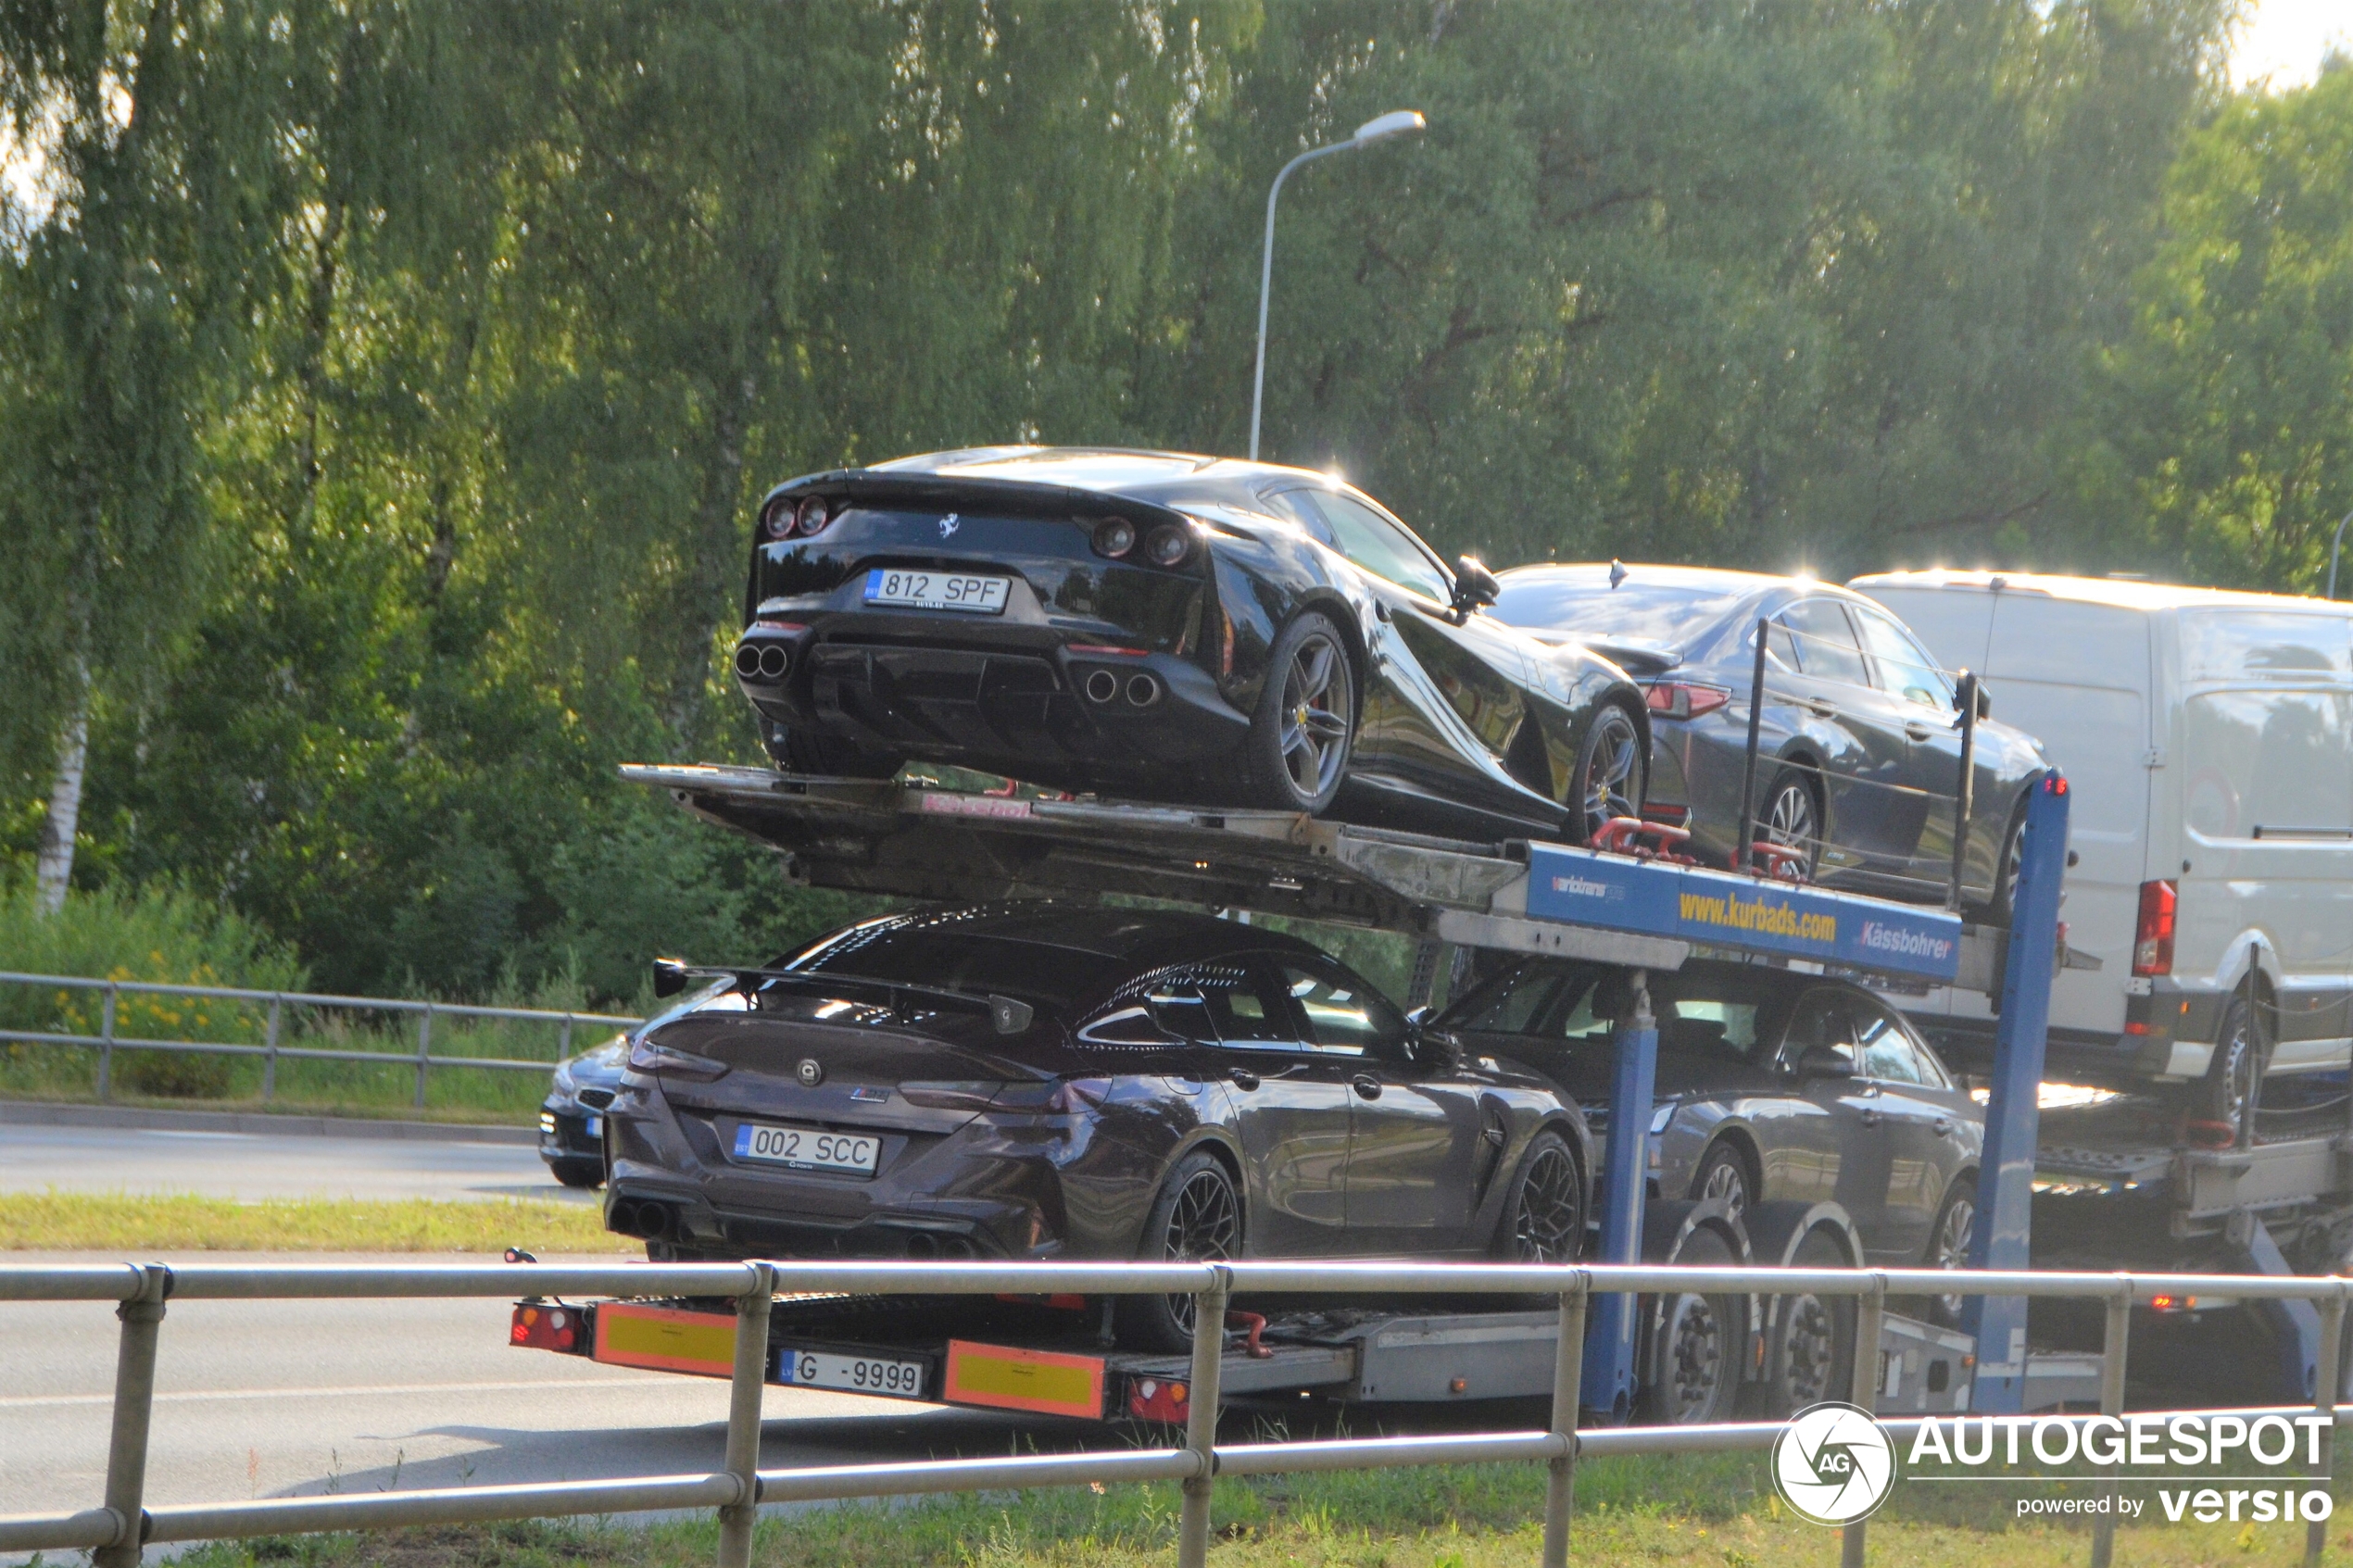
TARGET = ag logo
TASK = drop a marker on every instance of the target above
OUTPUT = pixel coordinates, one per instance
(1832, 1463)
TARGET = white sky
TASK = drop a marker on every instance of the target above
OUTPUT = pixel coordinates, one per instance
(2282, 41)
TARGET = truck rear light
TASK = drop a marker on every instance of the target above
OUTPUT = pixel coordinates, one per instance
(1152, 1399)
(541, 1328)
(1685, 700)
(2152, 940)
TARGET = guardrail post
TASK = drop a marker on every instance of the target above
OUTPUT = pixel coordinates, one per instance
(1870, 1316)
(270, 1049)
(105, 1044)
(2316, 1534)
(1569, 1364)
(564, 1040)
(134, 1393)
(1201, 1416)
(2120, 1327)
(425, 1051)
(750, 1381)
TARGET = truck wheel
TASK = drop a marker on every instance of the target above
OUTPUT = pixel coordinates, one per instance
(579, 1172)
(1811, 1354)
(1948, 1243)
(1723, 1178)
(1544, 1216)
(1697, 1343)
(2230, 1076)
(1612, 775)
(1297, 751)
(1197, 1218)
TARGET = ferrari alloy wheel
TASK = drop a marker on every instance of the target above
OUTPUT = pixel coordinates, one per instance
(1306, 720)
(1609, 771)
(1544, 1220)
(1197, 1218)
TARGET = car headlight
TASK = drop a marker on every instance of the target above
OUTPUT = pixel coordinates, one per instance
(1662, 1116)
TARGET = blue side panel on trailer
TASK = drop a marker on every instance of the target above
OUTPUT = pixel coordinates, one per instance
(1717, 907)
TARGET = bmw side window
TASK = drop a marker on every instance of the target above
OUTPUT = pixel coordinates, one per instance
(1246, 1014)
(1152, 1012)
(1903, 668)
(1344, 1016)
(1826, 646)
(1381, 547)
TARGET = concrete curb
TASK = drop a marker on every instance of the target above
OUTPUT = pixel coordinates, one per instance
(36, 1113)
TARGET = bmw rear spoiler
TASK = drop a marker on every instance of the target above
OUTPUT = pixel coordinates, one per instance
(1005, 1014)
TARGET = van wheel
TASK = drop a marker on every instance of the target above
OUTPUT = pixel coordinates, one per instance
(1810, 1356)
(1197, 1218)
(1696, 1345)
(2230, 1076)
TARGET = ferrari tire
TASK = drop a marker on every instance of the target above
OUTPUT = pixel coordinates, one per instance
(1612, 772)
(1296, 753)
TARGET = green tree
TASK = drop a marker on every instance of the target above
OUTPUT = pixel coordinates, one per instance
(2220, 446)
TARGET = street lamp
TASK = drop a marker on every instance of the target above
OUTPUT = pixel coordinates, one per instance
(2334, 545)
(1397, 122)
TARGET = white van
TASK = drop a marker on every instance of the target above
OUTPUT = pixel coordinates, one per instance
(2209, 739)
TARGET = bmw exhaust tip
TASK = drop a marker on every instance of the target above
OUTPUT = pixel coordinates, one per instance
(1144, 690)
(1102, 687)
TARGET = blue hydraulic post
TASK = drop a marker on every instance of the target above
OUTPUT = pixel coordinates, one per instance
(1610, 1379)
(2013, 1115)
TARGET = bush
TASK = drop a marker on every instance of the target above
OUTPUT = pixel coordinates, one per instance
(160, 936)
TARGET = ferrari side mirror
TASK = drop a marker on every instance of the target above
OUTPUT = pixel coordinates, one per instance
(1474, 584)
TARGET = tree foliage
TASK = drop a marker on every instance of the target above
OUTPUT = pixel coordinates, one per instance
(388, 384)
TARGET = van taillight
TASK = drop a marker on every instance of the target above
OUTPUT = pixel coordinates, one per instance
(2153, 942)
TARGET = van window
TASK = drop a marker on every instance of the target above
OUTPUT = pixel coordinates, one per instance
(2236, 644)
(2274, 760)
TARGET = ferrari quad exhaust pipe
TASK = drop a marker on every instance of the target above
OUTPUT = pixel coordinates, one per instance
(762, 661)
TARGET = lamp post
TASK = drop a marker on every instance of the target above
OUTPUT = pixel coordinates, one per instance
(2334, 545)
(1397, 122)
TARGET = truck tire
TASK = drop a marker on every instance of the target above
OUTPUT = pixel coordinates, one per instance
(1809, 1350)
(1197, 1218)
(1697, 1343)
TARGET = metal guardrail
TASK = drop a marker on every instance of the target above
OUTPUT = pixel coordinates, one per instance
(106, 1041)
(114, 1531)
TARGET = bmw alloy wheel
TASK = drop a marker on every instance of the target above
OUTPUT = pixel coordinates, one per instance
(1204, 1226)
(1548, 1224)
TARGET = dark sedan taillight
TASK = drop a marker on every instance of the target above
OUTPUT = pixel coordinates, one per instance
(1685, 700)
(670, 1063)
(2152, 940)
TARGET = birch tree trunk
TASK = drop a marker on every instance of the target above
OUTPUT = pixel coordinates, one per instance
(55, 868)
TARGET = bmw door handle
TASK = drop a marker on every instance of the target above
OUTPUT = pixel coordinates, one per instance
(1366, 1085)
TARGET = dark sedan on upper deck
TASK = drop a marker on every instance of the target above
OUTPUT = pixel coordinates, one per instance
(1859, 740)
(1167, 627)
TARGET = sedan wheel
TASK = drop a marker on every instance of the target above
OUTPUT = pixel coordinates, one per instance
(1610, 772)
(1723, 1178)
(1791, 822)
(1544, 1220)
(1948, 1244)
(1197, 1218)
(1306, 720)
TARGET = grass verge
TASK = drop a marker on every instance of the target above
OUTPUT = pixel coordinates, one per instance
(1708, 1510)
(78, 1222)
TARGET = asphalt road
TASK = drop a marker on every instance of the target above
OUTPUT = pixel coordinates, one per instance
(256, 1165)
(268, 1399)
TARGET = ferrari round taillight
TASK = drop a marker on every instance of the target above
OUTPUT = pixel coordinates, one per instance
(777, 521)
(811, 515)
(1114, 537)
(1167, 545)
